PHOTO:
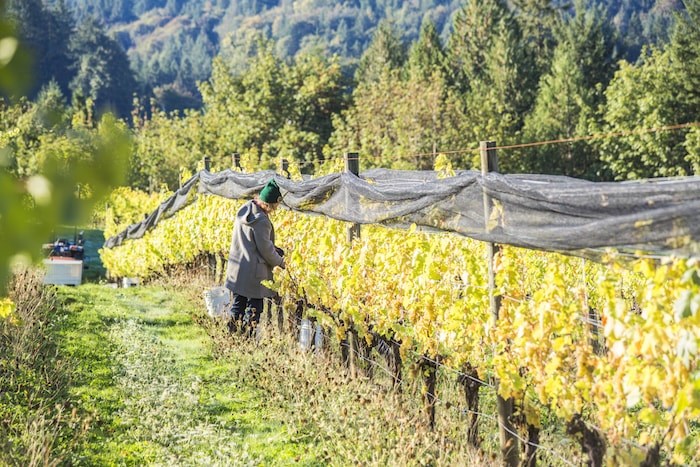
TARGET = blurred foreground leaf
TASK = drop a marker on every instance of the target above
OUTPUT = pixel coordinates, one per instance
(15, 61)
(77, 170)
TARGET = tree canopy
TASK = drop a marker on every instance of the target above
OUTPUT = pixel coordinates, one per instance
(533, 71)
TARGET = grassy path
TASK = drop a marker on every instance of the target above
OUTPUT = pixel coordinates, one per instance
(157, 394)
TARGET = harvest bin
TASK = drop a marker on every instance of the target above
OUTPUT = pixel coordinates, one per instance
(63, 271)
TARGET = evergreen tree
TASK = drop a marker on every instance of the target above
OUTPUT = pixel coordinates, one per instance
(643, 23)
(591, 36)
(46, 32)
(367, 126)
(427, 54)
(494, 65)
(58, 61)
(272, 109)
(15, 67)
(200, 56)
(386, 52)
(174, 6)
(475, 27)
(165, 62)
(347, 28)
(402, 120)
(538, 19)
(685, 48)
(30, 19)
(119, 11)
(570, 95)
(341, 42)
(142, 6)
(103, 73)
(52, 111)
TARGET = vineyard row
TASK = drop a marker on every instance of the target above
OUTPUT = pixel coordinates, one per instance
(613, 344)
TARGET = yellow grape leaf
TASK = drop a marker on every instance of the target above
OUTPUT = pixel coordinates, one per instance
(7, 308)
(683, 401)
(618, 349)
(691, 276)
(650, 416)
(560, 342)
(552, 386)
(553, 365)
(681, 307)
(678, 458)
(272, 285)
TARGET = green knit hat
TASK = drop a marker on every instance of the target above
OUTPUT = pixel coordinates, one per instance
(270, 192)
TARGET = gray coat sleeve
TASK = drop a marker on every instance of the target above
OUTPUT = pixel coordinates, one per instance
(262, 232)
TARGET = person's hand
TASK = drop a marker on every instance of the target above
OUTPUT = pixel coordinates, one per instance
(279, 251)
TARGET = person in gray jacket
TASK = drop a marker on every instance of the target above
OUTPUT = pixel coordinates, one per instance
(253, 256)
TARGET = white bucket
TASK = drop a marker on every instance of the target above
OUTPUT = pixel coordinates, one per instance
(217, 300)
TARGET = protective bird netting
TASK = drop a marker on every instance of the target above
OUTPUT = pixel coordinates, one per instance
(545, 212)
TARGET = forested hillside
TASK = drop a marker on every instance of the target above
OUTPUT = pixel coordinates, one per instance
(526, 71)
(170, 43)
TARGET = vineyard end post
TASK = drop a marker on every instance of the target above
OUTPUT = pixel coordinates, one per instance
(352, 165)
(508, 440)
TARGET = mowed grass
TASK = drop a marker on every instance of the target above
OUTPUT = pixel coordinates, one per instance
(165, 385)
(155, 392)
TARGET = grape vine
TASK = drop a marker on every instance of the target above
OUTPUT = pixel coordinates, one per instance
(613, 343)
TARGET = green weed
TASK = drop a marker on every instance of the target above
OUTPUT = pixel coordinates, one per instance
(39, 425)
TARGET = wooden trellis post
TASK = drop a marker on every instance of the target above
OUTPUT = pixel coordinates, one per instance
(209, 259)
(509, 442)
(284, 168)
(352, 165)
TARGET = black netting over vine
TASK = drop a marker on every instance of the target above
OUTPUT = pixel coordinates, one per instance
(534, 211)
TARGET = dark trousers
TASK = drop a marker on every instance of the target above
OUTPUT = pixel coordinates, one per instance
(241, 304)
